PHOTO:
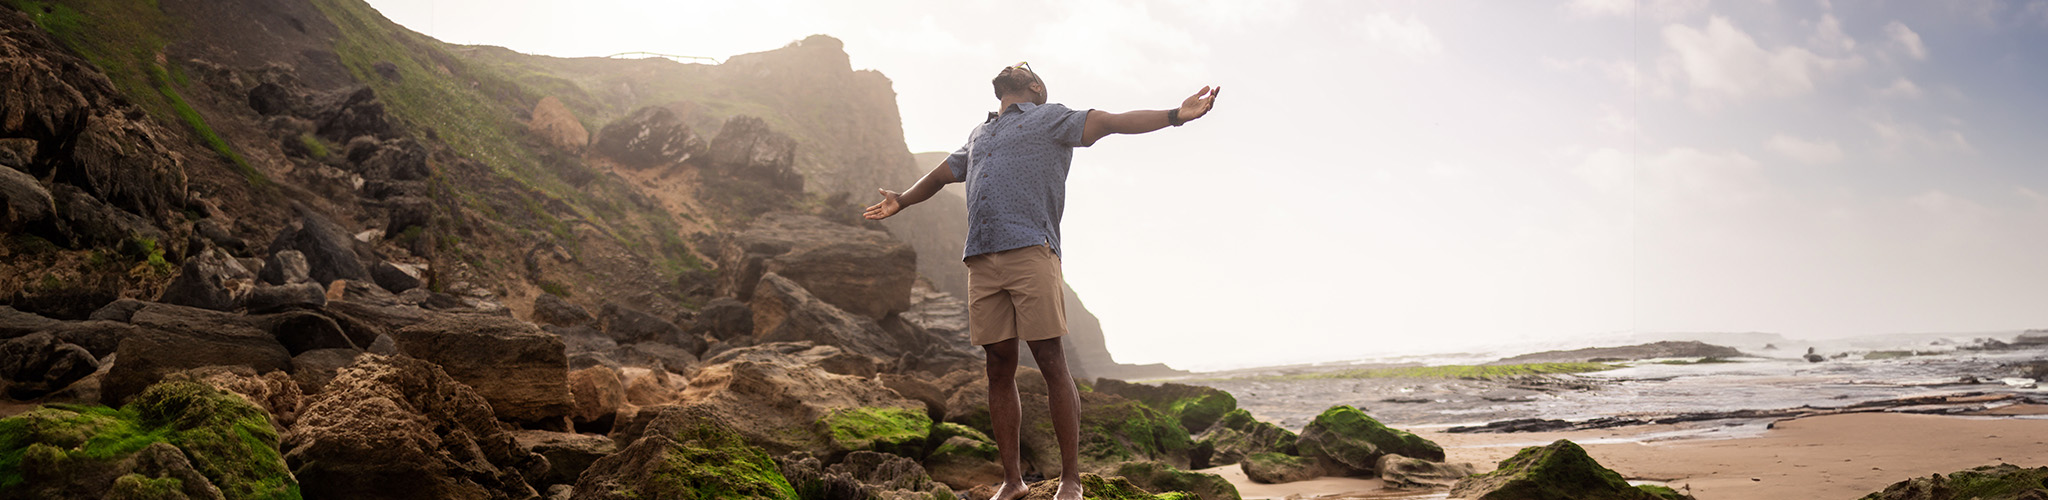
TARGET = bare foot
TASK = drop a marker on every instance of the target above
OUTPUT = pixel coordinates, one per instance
(1070, 489)
(1012, 491)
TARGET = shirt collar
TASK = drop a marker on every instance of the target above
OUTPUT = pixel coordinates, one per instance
(1022, 107)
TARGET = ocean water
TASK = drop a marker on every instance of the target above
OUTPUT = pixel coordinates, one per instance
(1775, 379)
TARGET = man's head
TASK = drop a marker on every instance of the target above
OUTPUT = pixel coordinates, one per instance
(1020, 79)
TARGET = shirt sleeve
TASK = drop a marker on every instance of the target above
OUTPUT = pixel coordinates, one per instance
(958, 162)
(1070, 127)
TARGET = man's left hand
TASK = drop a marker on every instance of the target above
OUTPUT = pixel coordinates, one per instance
(1199, 104)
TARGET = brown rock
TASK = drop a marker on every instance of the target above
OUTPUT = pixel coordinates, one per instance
(520, 369)
(599, 393)
(785, 312)
(176, 338)
(568, 454)
(777, 399)
(1403, 472)
(397, 427)
(554, 123)
(861, 271)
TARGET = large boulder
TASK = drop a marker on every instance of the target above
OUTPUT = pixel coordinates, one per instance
(782, 402)
(397, 427)
(1402, 472)
(1197, 407)
(23, 200)
(599, 392)
(649, 137)
(186, 438)
(626, 325)
(786, 312)
(747, 148)
(693, 454)
(1989, 482)
(329, 252)
(521, 370)
(1345, 437)
(1560, 471)
(1114, 430)
(554, 123)
(175, 338)
(210, 280)
(549, 309)
(1238, 435)
(723, 318)
(36, 364)
(1274, 468)
(862, 271)
(963, 458)
(1161, 478)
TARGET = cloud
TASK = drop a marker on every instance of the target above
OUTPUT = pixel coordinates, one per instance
(1901, 89)
(1907, 40)
(1720, 62)
(1829, 35)
(1678, 179)
(1804, 151)
(1899, 137)
(1660, 9)
(1408, 37)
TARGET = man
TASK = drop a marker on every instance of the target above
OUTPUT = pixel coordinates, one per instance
(1015, 166)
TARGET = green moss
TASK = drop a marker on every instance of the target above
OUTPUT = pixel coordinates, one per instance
(1559, 471)
(229, 441)
(1199, 412)
(1126, 430)
(942, 432)
(1661, 492)
(1160, 477)
(314, 147)
(709, 462)
(1096, 487)
(1240, 433)
(1990, 482)
(139, 487)
(1360, 435)
(554, 288)
(887, 429)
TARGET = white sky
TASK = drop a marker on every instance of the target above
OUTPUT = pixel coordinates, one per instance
(1396, 176)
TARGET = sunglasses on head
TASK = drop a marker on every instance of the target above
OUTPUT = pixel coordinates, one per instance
(1025, 65)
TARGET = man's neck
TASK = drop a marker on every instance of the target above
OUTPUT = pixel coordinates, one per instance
(1014, 100)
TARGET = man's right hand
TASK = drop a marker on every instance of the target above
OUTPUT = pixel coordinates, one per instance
(889, 206)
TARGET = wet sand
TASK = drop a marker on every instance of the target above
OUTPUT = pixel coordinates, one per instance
(1826, 457)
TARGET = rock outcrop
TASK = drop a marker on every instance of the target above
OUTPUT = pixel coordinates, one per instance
(179, 438)
(861, 271)
(554, 123)
(692, 452)
(1409, 473)
(1666, 349)
(781, 402)
(1238, 435)
(1560, 471)
(1990, 482)
(522, 371)
(747, 148)
(651, 136)
(1197, 407)
(1275, 468)
(1157, 477)
(175, 338)
(398, 427)
(1353, 442)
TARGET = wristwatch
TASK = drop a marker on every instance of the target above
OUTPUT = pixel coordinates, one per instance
(1173, 117)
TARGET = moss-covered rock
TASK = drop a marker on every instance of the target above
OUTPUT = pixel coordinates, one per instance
(1236, 435)
(1275, 468)
(1990, 482)
(62, 451)
(1196, 407)
(889, 429)
(1560, 471)
(1344, 436)
(1162, 478)
(1114, 430)
(702, 460)
(1413, 473)
(963, 457)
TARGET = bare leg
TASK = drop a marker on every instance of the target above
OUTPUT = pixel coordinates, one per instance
(1066, 413)
(1006, 415)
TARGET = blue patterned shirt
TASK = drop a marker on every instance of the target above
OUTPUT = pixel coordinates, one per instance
(1015, 165)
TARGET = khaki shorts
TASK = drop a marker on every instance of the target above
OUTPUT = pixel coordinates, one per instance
(1015, 293)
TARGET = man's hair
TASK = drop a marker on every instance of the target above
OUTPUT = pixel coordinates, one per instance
(1014, 80)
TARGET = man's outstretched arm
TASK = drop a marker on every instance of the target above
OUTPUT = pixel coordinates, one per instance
(927, 186)
(1102, 123)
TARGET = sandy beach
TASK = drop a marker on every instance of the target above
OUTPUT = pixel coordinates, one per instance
(1841, 456)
